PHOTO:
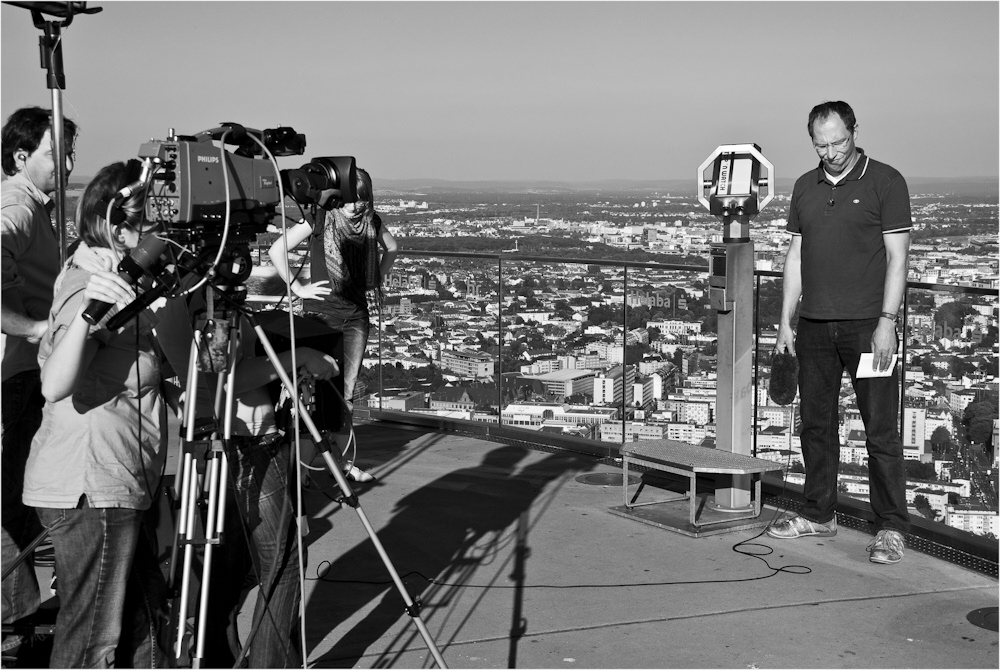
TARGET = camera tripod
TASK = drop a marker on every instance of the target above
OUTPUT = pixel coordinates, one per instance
(204, 464)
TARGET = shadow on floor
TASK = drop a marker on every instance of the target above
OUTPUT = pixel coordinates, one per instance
(437, 538)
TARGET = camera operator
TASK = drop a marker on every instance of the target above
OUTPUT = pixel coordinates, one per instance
(30, 266)
(346, 277)
(98, 456)
(259, 469)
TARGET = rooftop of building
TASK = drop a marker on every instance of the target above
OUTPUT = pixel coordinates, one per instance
(518, 562)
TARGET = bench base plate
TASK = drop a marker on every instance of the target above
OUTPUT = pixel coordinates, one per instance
(674, 515)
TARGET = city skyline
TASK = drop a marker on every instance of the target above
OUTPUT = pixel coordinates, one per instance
(562, 91)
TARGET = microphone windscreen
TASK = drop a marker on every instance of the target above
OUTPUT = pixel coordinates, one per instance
(784, 378)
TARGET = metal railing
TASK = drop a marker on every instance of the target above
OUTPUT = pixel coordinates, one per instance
(960, 547)
(502, 260)
(629, 275)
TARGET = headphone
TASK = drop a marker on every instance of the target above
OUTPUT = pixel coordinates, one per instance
(118, 214)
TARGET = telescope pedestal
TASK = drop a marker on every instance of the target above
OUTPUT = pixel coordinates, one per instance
(734, 391)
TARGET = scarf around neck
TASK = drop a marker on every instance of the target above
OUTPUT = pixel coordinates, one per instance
(350, 245)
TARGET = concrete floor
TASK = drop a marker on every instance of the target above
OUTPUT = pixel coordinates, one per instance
(519, 564)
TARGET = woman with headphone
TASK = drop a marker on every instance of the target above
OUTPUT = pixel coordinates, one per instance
(97, 459)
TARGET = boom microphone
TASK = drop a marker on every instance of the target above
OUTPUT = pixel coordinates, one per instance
(131, 268)
(784, 378)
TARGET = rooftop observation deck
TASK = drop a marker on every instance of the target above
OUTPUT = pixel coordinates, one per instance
(507, 538)
(519, 563)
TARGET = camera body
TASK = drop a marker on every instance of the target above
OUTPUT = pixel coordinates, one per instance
(188, 194)
(200, 191)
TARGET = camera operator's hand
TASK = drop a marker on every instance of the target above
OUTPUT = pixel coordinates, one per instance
(316, 363)
(109, 287)
(314, 291)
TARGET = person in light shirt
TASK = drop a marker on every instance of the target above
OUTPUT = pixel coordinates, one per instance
(97, 459)
(30, 266)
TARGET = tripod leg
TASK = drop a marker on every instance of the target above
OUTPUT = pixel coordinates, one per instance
(188, 506)
(216, 484)
(187, 486)
(213, 530)
(181, 479)
(349, 496)
(23, 556)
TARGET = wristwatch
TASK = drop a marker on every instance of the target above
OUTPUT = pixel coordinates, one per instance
(890, 315)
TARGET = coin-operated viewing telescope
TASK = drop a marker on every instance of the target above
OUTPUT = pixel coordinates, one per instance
(739, 186)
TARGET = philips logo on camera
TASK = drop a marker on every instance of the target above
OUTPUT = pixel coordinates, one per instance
(208, 159)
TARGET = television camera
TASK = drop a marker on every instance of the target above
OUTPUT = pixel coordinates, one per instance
(209, 204)
(204, 202)
(200, 193)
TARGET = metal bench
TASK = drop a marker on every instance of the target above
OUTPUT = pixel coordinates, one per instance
(687, 460)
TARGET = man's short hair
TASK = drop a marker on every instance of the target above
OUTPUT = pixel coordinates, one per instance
(838, 107)
(24, 130)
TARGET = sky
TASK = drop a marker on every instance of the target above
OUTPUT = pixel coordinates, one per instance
(547, 91)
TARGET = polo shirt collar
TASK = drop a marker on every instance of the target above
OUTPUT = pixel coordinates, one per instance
(43, 199)
(856, 173)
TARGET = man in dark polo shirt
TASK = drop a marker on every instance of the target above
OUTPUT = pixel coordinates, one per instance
(30, 266)
(847, 261)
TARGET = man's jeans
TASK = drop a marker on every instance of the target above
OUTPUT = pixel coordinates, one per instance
(824, 349)
(22, 414)
(112, 594)
(259, 469)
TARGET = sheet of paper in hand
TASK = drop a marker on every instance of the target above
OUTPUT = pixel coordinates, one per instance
(866, 366)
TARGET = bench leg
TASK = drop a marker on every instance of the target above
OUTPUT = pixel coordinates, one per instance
(625, 480)
(693, 495)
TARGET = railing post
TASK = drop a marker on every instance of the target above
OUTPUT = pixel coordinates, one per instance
(624, 347)
(500, 341)
(380, 356)
(902, 360)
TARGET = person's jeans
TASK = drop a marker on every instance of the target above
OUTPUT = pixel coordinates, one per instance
(112, 595)
(355, 337)
(22, 415)
(824, 350)
(259, 474)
